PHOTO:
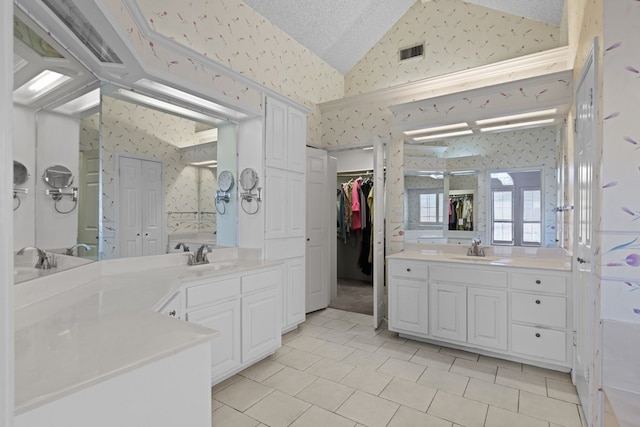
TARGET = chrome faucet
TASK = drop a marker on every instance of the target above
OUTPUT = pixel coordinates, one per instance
(201, 255)
(185, 248)
(69, 251)
(43, 259)
(475, 249)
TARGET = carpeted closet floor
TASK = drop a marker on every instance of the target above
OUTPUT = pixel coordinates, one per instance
(355, 296)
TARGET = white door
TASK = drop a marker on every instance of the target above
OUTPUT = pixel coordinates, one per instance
(141, 207)
(152, 211)
(89, 174)
(584, 295)
(379, 304)
(317, 231)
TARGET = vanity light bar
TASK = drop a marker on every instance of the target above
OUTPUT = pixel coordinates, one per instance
(367, 148)
(513, 117)
(195, 100)
(443, 135)
(518, 125)
(436, 129)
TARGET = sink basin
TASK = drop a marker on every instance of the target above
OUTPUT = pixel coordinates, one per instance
(215, 265)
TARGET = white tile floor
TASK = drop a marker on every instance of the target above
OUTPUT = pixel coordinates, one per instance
(336, 370)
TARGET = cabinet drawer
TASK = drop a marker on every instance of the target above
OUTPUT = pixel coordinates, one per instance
(541, 310)
(539, 342)
(212, 292)
(469, 276)
(409, 269)
(539, 283)
(261, 280)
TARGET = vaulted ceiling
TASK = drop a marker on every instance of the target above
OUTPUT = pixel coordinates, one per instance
(342, 32)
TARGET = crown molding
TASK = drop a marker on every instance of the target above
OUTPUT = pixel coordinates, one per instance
(537, 64)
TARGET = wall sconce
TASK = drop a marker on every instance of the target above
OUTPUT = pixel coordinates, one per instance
(249, 180)
(59, 177)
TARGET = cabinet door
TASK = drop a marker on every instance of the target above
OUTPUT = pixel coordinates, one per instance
(275, 197)
(295, 291)
(448, 311)
(260, 324)
(173, 307)
(276, 130)
(408, 305)
(225, 347)
(297, 140)
(487, 323)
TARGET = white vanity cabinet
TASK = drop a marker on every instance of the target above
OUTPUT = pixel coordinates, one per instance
(244, 308)
(408, 303)
(173, 306)
(517, 313)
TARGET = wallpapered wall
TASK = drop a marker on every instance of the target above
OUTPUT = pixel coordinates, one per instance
(236, 36)
(457, 36)
(619, 224)
(132, 129)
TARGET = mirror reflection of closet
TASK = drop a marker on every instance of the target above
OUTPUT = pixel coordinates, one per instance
(462, 201)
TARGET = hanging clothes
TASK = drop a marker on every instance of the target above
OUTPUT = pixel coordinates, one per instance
(365, 248)
(356, 219)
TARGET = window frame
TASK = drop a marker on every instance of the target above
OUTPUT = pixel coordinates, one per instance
(494, 221)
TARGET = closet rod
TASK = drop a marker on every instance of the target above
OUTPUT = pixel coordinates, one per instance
(355, 173)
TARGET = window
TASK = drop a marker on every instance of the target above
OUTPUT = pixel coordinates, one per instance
(516, 208)
(531, 217)
(431, 207)
(502, 217)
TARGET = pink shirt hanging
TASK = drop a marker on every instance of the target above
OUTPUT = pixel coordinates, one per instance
(355, 205)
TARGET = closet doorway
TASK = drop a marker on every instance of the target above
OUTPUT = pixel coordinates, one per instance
(358, 288)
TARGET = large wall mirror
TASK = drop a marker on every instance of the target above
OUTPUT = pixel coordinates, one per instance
(452, 193)
(64, 116)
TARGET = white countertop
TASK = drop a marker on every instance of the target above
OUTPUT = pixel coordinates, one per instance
(537, 258)
(102, 322)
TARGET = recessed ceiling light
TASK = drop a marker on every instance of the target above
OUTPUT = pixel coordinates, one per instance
(436, 129)
(82, 103)
(166, 107)
(443, 135)
(40, 85)
(518, 125)
(513, 117)
(195, 100)
(205, 163)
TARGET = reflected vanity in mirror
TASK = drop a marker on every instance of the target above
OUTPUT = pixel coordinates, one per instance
(20, 176)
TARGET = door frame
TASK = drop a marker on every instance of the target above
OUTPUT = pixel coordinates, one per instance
(116, 198)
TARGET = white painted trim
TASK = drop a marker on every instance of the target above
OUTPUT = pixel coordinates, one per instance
(547, 62)
(7, 393)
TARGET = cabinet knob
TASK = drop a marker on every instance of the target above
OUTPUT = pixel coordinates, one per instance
(172, 313)
(538, 281)
(408, 269)
(537, 334)
(537, 301)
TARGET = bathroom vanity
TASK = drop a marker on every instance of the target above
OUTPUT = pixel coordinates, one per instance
(513, 303)
(103, 334)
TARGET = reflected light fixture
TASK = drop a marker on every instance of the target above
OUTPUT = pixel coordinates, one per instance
(518, 125)
(40, 85)
(443, 135)
(367, 148)
(166, 107)
(192, 99)
(436, 129)
(205, 163)
(82, 103)
(513, 117)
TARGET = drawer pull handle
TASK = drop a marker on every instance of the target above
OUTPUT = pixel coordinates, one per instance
(172, 313)
(538, 281)
(537, 301)
(408, 270)
(537, 335)
(581, 260)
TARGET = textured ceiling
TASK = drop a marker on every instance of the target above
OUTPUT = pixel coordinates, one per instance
(338, 31)
(342, 32)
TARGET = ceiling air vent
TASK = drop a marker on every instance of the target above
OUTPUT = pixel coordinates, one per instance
(412, 52)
